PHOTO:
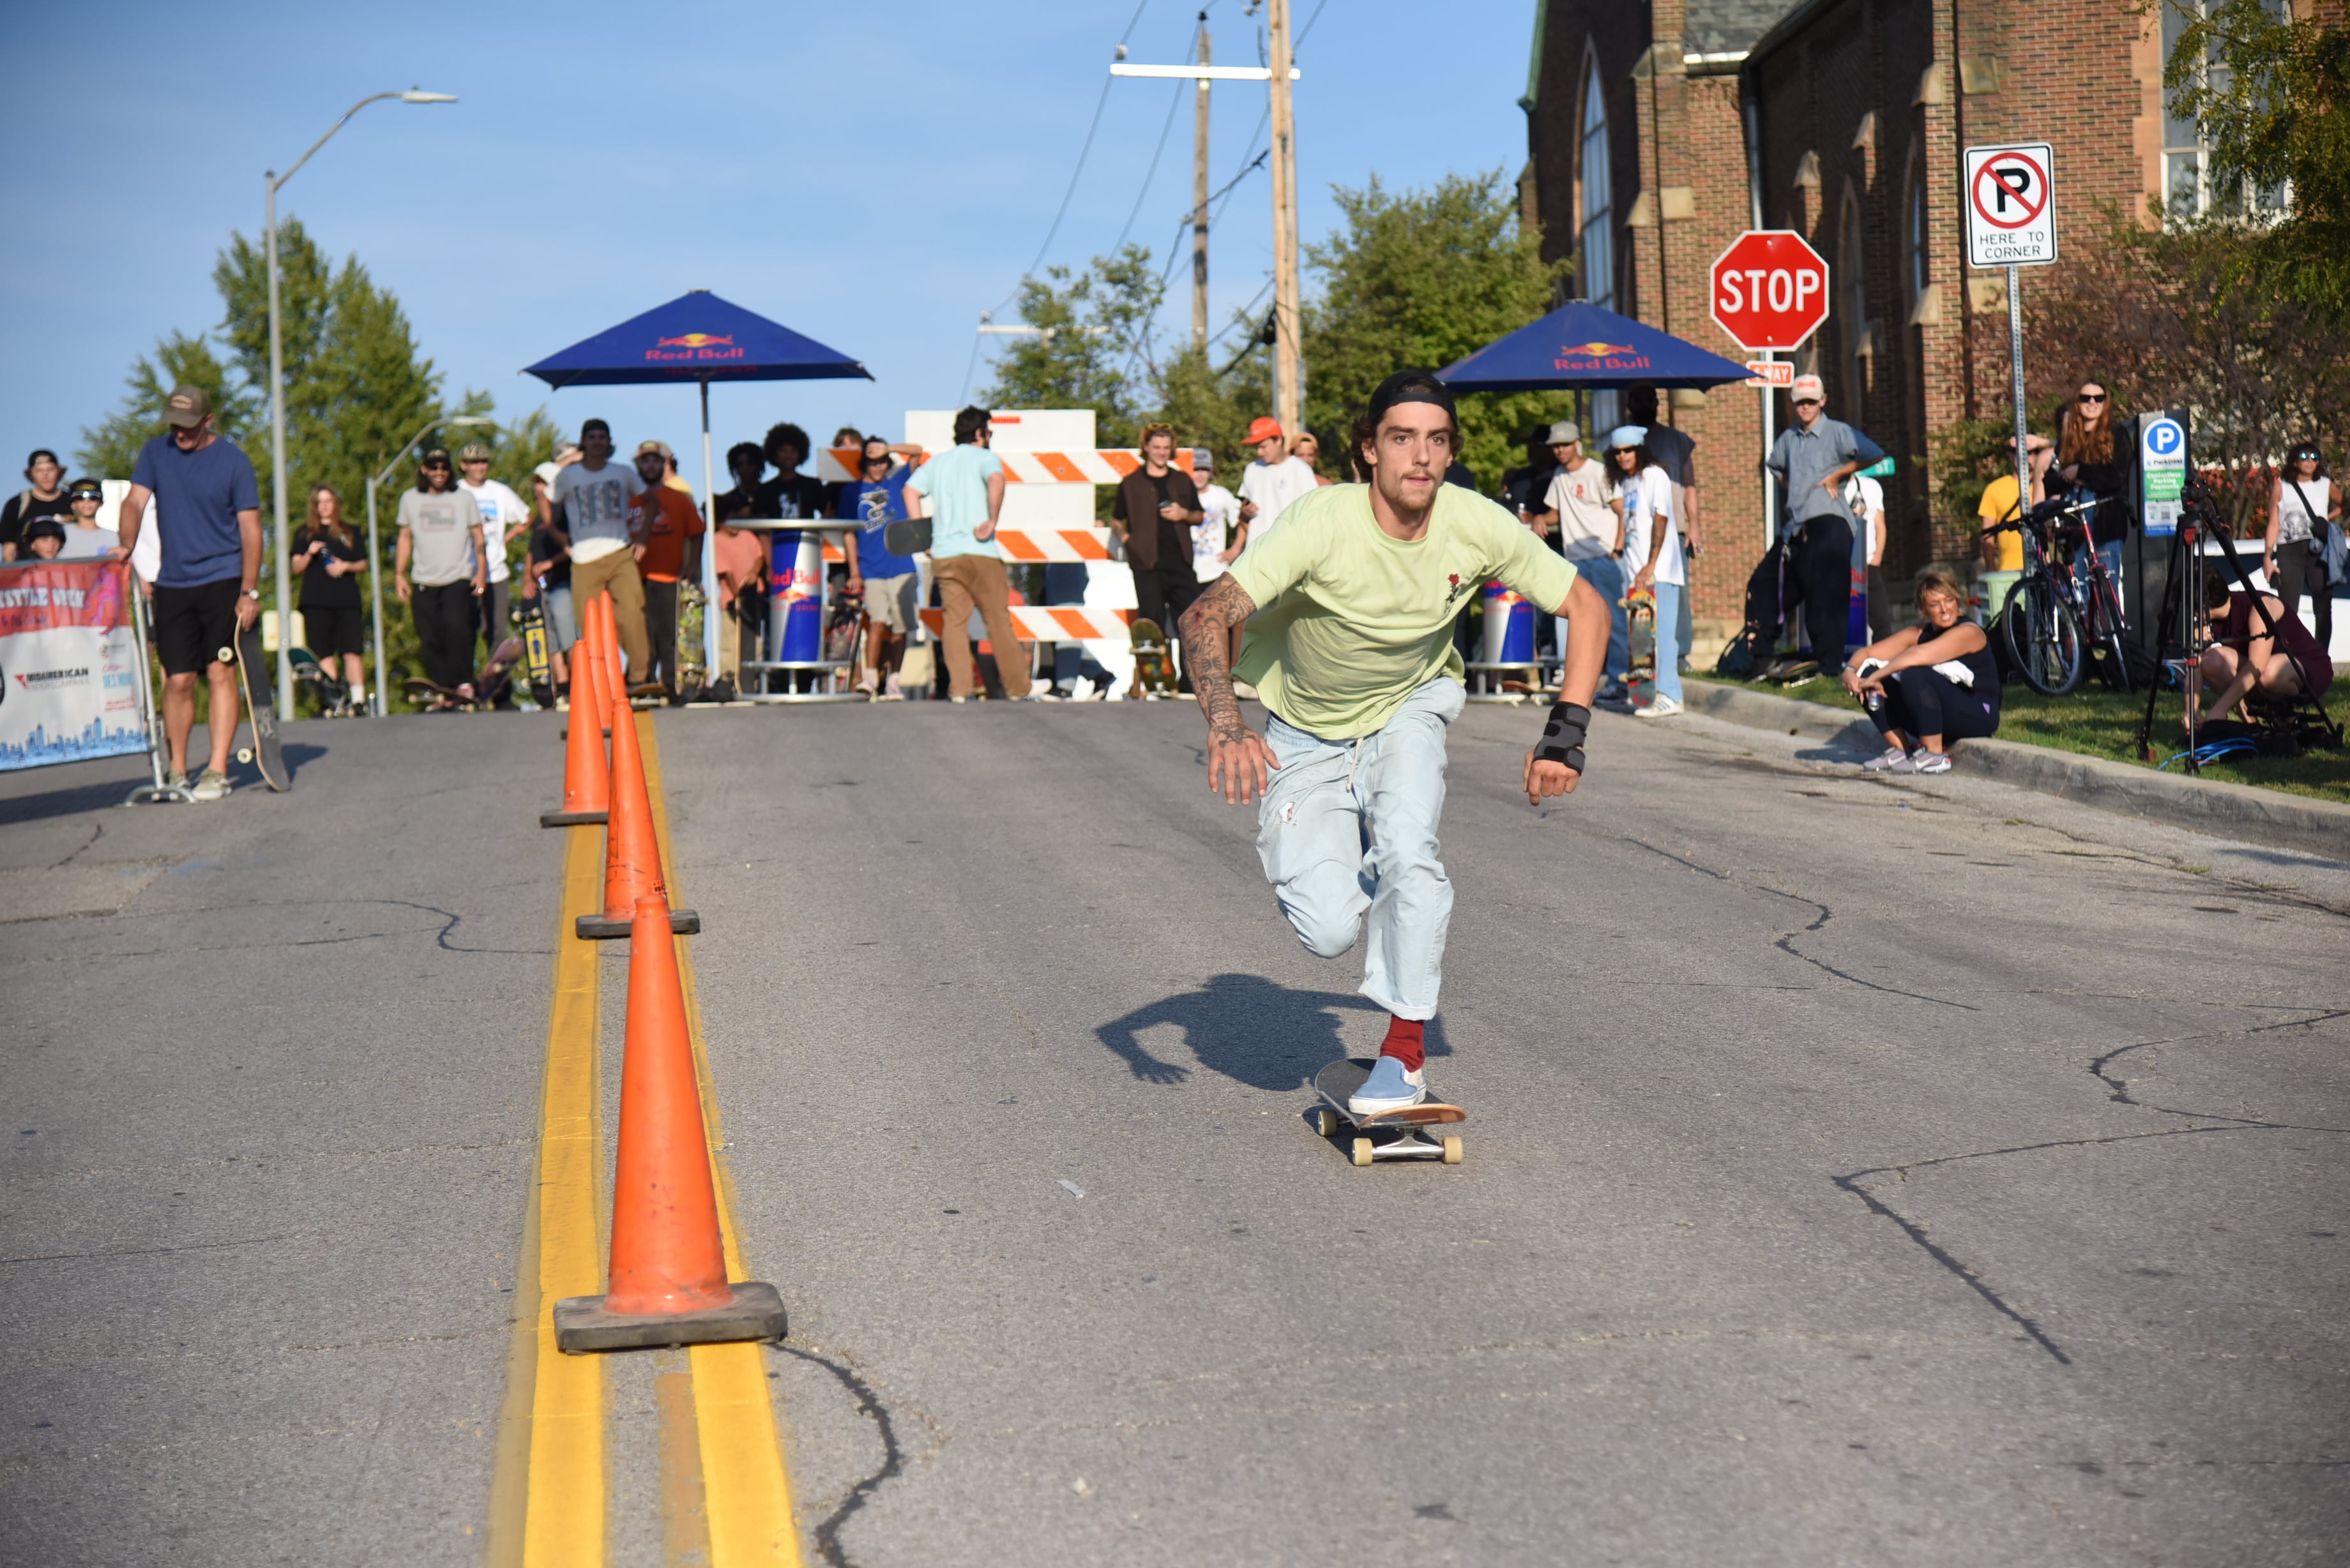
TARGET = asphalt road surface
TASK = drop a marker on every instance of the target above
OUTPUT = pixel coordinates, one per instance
(1858, 1172)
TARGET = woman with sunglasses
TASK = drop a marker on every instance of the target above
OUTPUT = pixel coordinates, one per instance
(2304, 510)
(2087, 459)
(437, 569)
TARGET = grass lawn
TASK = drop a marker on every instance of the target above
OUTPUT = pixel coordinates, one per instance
(2103, 723)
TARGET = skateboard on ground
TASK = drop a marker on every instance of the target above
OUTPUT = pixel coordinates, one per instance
(1154, 666)
(1390, 1135)
(334, 697)
(1640, 627)
(260, 707)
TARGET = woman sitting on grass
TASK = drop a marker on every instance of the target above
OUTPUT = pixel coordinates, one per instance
(1927, 685)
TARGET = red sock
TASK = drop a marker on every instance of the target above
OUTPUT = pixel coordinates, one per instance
(1403, 1043)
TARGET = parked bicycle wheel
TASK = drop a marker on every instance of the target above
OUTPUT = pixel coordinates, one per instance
(2043, 636)
(2105, 616)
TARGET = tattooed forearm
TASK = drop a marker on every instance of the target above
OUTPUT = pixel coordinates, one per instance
(1206, 629)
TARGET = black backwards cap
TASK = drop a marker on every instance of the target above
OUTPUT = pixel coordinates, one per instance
(1411, 387)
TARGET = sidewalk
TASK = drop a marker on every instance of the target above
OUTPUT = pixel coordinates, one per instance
(2208, 806)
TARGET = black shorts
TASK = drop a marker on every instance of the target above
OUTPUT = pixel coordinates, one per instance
(193, 625)
(330, 629)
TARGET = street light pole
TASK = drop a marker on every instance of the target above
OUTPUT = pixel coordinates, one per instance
(277, 398)
(374, 552)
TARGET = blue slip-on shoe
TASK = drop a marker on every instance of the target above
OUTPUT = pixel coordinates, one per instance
(1389, 1088)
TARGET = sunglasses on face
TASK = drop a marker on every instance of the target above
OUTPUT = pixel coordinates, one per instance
(1807, 403)
(2093, 397)
(436, 468)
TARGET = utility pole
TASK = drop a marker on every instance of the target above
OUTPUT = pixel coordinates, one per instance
(1199, 201)
(1286, 302)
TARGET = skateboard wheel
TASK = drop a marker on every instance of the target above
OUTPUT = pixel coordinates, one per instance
(245, 754)
(1452, 1151)
(1362, 1151)
(1326, 1123)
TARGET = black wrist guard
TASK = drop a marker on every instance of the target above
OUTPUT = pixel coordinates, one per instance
(1561, 738)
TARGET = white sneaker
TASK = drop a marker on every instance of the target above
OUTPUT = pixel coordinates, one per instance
(213, 785)
(1892, 759)
(1926, 762)
(1662, 707)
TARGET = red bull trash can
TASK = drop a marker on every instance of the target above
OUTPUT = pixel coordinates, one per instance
(796, 604)
(1508, 627)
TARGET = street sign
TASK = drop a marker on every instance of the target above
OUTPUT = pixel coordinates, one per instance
(2010, 206)
(1770, 372)
(2161, 472)
(1770, 290)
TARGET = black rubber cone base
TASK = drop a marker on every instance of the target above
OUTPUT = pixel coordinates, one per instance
(597, 929)
(572, 818)
(581, 1323)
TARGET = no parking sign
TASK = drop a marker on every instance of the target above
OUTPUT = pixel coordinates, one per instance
(2010, 206)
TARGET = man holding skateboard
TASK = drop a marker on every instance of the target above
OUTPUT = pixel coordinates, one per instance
(1353, 655)
(207, 590)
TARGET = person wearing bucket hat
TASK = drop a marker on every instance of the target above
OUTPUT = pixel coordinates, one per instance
(1274, 480)
(1352, 655)
(1652, 553)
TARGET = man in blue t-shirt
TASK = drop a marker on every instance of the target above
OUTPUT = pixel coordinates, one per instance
(964, 489)
(890, 582)
(208, 509)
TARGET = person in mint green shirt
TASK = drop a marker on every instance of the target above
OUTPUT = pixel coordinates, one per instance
(965, 490)
(1349, 606)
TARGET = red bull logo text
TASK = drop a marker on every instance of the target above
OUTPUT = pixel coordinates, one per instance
(1604, 356)
(692, 347)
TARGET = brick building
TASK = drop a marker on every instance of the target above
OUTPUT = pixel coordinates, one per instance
(1657, 131)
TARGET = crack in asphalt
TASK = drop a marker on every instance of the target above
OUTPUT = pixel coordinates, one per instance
(1785, 943)
(2120, 1086)
(826, 1534)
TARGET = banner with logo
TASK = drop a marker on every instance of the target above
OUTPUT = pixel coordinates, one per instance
(68, 664)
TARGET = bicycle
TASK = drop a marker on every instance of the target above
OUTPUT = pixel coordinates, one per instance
(2055, 613)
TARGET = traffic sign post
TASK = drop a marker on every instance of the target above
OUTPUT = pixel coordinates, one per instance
(2010, 208)
(2161, 472)
(1769, 292)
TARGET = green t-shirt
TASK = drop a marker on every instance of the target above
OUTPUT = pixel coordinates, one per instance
(1351, 621)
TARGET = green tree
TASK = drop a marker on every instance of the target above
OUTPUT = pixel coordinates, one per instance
(1095, 347)
(1419, 280)
(2270, 95)
(109, 448)
(1213, 408)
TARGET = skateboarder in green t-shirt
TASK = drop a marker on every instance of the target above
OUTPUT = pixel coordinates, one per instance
(1355, 596)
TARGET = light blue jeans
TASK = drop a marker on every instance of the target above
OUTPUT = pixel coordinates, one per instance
(1349, 826)
(1606, 575)
(1669, 663)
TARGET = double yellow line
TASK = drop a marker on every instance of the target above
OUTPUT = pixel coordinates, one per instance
(548, 1495)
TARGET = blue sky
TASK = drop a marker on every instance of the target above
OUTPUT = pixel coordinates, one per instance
(874, 175)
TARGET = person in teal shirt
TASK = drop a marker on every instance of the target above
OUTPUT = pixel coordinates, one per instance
(964, 490)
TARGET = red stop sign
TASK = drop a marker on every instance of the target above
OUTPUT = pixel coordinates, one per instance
(1770, 290)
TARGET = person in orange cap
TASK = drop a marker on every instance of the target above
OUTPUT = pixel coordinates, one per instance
(1274, 480)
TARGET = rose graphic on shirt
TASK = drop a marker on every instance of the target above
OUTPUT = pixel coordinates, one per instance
(1456, 590)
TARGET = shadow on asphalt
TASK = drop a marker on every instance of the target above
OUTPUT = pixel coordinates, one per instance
(69, 801)
(1251, 1030)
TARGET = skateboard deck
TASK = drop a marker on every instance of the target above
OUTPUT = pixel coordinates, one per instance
(1154, 668)
(420, 689)
(1640, 627)
(1389, 1135)
(260, 708)
(535, 652)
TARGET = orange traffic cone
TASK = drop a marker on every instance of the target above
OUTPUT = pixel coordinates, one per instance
(668, 1279)
(632, 853)
(586, 779)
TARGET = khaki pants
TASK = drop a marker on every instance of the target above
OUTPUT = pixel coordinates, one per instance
(616, 573)
(968, 582)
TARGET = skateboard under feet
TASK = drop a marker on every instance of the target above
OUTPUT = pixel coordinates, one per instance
(1389, 1135)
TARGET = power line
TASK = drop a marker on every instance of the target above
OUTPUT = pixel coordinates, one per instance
(1173, 103)
(1075, 174)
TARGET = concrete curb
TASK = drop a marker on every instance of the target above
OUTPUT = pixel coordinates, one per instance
(2210, 805)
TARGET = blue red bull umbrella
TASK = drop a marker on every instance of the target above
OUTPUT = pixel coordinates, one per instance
(1581, 345)
(702, 338)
